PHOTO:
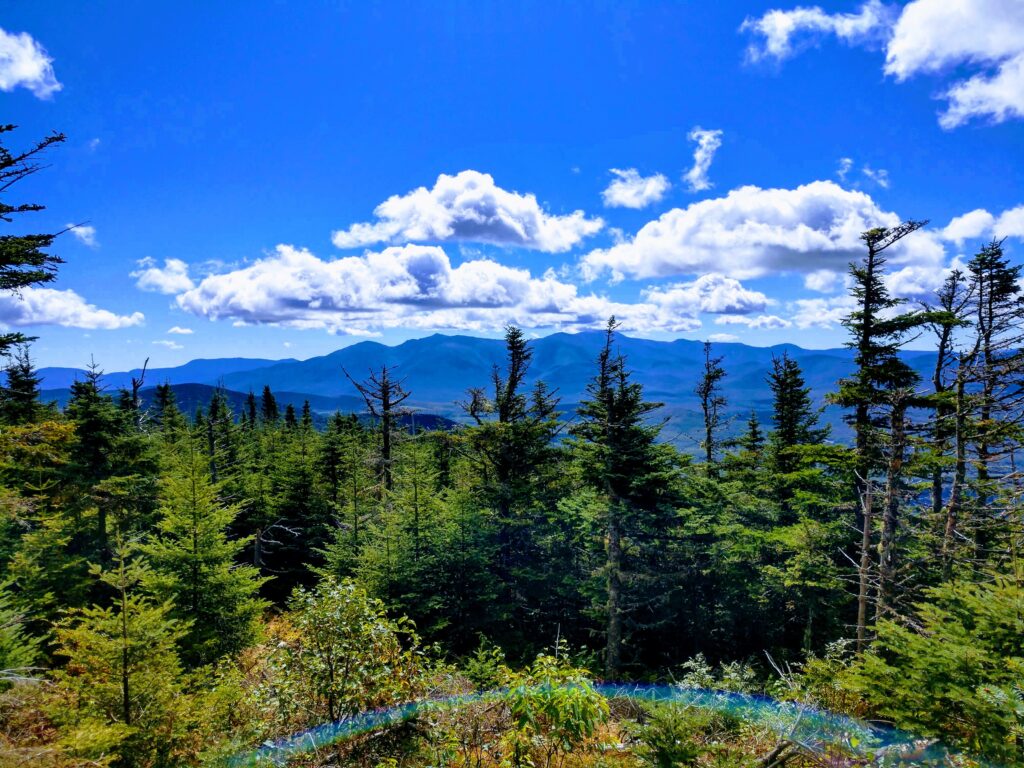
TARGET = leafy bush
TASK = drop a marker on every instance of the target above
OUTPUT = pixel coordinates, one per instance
(734, 676)
(338, 653)
(554, 710)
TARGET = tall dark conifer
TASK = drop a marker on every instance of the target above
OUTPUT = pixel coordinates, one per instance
(19, 393)
(622, 461)
(877, 332)
(24, 260)
(712, 401)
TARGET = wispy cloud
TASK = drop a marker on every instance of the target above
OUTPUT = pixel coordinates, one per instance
(85, 234)
(708, 142)
(631, 190)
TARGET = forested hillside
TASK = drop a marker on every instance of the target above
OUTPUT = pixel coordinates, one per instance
(176, 577)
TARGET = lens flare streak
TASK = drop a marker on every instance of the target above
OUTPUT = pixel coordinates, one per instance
(817, 729)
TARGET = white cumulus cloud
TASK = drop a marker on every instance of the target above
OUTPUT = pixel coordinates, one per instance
(411, 286)
(24, 63)
(925, 37)
(753, 232)
(171, 278)
(178, 330)
(723, 338)
(968, 226)
(935, 36)
(822, 313)
(47, 306)
(708, 142)
(469, 206)
(710, 293)
(631, 190)
(980, 223)
(823, 280)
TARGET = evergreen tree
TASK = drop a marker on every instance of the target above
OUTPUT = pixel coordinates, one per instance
(268, 406)
(621, 460)
(998, 360)
(169, 419)
(24, 260)
(709, 391)
(19, 651)
(249, 414)
(97, 424)
(794, 417)
(19, 394)
(795, 426)
(877, 335)
(512, 444)
(194, 562)
(290, 422)
(122, 680)
(383, 395)
(948, 422)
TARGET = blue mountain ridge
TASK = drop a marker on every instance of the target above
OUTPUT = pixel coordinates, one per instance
(438, 369)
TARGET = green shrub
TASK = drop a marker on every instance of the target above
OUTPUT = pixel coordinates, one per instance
(554, 710)
(957, 674)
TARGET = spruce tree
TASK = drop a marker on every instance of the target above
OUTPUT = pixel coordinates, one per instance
(24, 260)
(512, 444)
(19, 394)
(290, 422)
(794, 417)
(268, 407)
(383, 395)
(997, 305)
(877, 333)
(709, 392)
(97, 424)
(620, 458)
(122, 677)
(194, 562)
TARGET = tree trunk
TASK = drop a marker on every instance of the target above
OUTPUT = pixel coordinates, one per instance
(867, 518)
(890, 510)
(613, 652)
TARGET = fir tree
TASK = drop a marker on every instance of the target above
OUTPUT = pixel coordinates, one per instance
(877, 335)
(19, 651)
(622, 462)
(19, 394)
(122, 678)
(24, 260)
(709, 391)
(268, 407)
(194, 562)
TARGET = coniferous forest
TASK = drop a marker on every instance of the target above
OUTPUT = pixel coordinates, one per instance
(181, 588)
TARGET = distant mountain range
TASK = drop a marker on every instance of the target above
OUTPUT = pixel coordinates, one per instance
(438, 369)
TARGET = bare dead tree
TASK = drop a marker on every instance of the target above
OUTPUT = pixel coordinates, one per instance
(383, 395)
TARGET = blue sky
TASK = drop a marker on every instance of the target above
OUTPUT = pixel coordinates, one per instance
(230, 159)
